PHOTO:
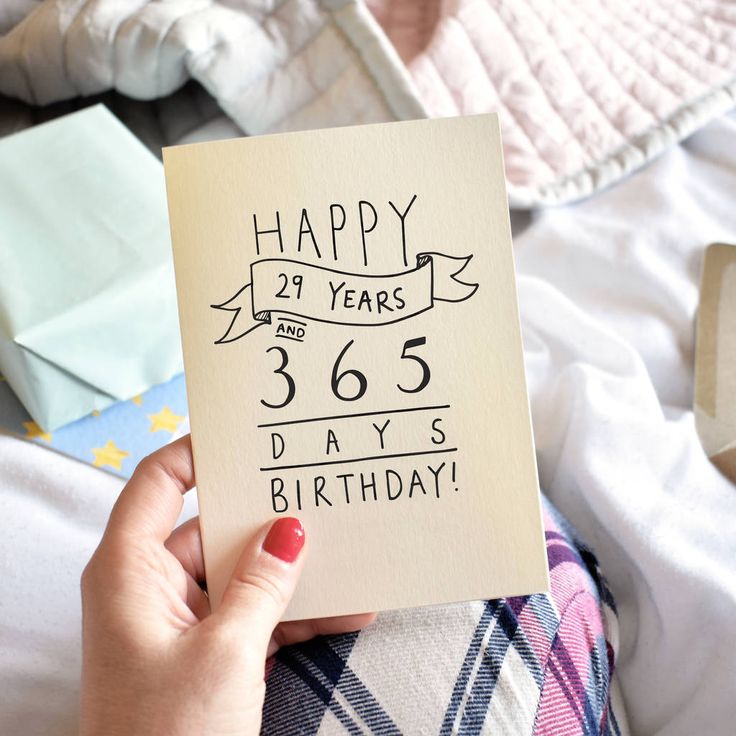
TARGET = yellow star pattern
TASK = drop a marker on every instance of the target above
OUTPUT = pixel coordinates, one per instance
(137, 400)
(95, 412)
(165, 420)
(110, 455)
(33, 431)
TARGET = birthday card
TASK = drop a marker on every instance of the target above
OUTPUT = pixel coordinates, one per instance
(353, 358)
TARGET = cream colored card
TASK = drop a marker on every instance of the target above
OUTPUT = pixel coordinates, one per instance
(715, 358)
(353, 358)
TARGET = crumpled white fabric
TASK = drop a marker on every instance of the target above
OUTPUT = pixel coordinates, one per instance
(54, 510)
(271, 66)
(607, 291)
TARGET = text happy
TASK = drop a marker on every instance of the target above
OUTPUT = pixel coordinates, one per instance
(329, 232)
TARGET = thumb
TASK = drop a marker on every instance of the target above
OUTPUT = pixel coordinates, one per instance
(264, 579)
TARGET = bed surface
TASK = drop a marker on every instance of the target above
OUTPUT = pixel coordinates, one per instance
(608, 290)
(608, 295)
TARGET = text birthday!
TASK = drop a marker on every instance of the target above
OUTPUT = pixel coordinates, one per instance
(427, 481)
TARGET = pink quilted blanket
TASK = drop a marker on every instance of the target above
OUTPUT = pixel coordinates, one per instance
(587, 90)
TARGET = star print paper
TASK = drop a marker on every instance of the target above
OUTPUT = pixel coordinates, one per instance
(165, 421)
(114, 440)
(110, 455)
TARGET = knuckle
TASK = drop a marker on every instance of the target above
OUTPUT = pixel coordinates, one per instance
(94, 574)
(263, 585)
(97, 568)
(87, 577)
(114, 562)
(149, 467)
(152, 468)
(221, 635)
(279, 637)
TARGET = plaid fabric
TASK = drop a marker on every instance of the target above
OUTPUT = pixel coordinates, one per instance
(539, 664)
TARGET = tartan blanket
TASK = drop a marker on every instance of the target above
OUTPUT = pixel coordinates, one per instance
(538, 664)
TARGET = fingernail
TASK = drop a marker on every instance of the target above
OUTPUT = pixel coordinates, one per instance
(285, 539)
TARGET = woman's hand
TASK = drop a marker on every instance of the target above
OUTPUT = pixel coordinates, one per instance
(155, 661)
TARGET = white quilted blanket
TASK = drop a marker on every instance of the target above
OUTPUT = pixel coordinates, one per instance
(587, 91)
(271, 66)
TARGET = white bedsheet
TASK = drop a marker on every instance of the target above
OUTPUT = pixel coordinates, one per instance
(608, 296)
(608, 291)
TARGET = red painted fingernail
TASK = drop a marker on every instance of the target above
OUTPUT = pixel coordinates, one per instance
(285, 539)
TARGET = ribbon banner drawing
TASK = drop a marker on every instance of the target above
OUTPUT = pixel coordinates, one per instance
(326, 295)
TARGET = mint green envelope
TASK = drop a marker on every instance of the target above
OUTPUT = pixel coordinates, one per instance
(87, 299)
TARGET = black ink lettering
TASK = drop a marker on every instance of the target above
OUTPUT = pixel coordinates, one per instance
(335, 228)
(281, 292)
(426, 374)
(308, 230)
(344, 477)
(291, 386)
(337, 377)
(296, 280)
(372, 485)
(277, 453)
(402, 217)
(381, 302)
(400, 303)
(278, 483)
(276, 229)
(435, 428)
(335, 292)
(393, 474)
(319, 485)
(380, 431)
(416, 480)
(363, 231)
(331, 442)
(436, 474)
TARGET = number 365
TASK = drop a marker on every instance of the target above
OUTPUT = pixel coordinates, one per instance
(340, 388)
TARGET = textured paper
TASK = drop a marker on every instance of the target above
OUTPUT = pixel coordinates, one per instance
(399, 434)
(715, 358)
